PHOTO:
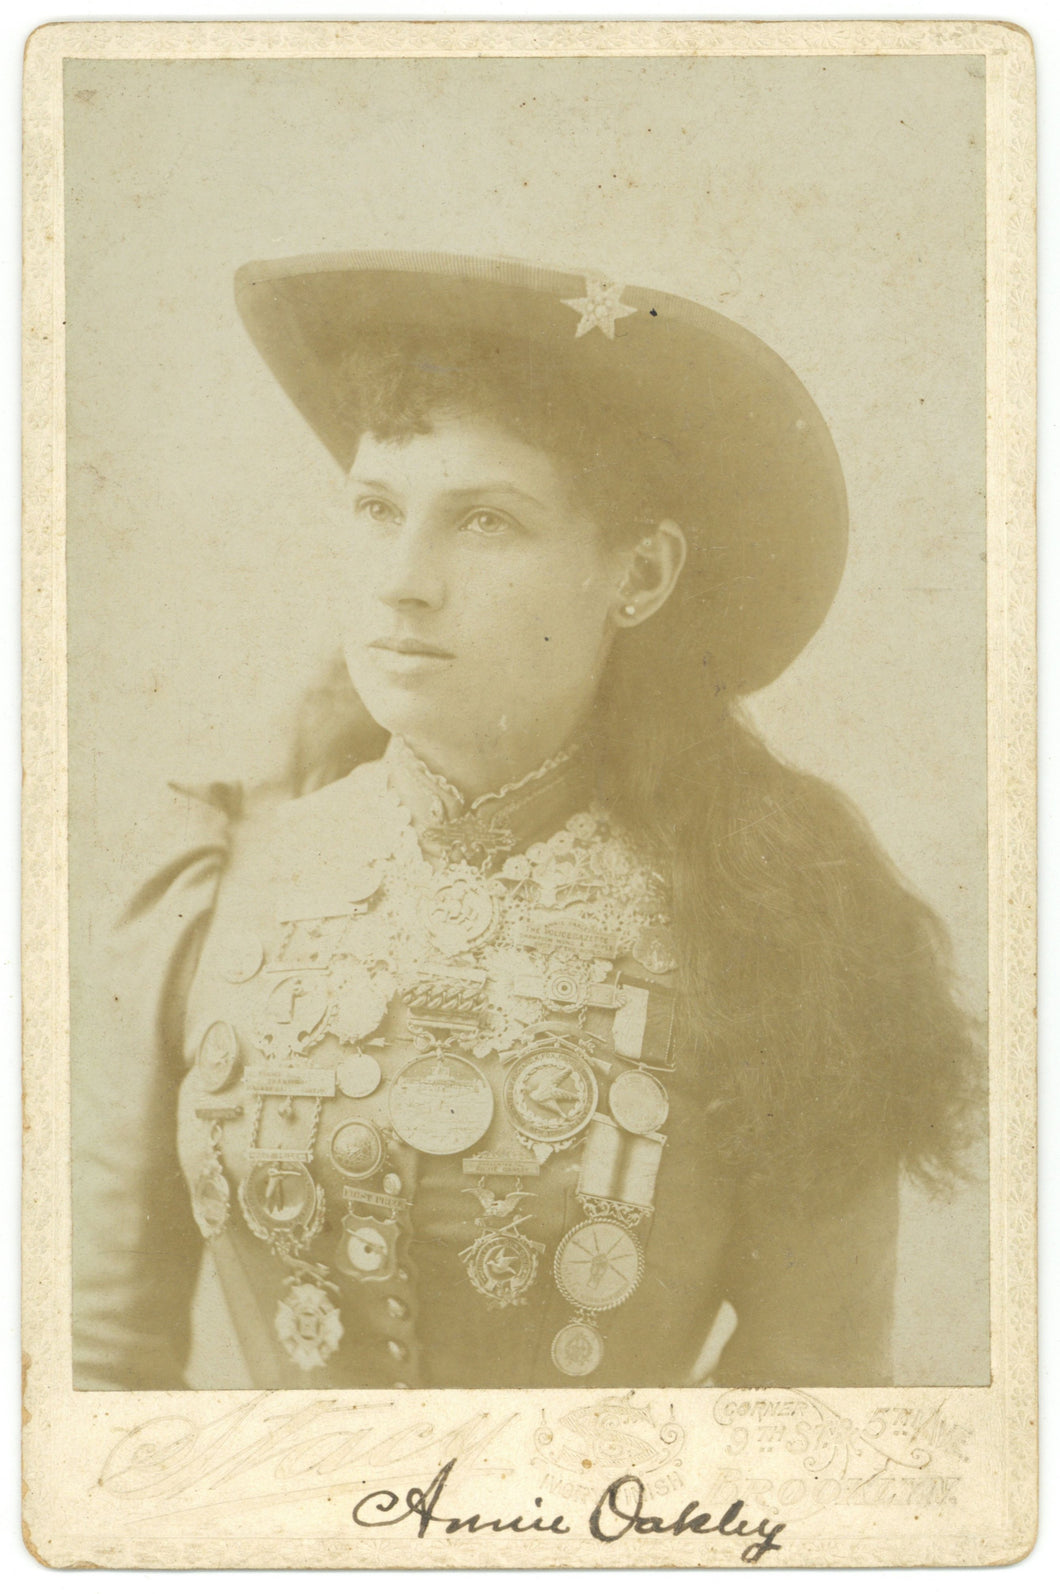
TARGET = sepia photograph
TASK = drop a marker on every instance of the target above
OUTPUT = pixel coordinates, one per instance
(529, 741)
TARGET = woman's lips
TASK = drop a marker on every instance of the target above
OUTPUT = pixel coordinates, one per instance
(409, 655)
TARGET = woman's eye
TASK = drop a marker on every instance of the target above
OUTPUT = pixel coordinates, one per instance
(377, 510)
(489, 523)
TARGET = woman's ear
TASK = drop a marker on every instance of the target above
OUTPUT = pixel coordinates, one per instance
(655, 564)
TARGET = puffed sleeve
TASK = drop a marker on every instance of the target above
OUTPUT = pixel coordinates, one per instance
(136, 1248)
(813, 1289)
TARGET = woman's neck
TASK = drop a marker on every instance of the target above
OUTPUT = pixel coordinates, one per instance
(479, 772)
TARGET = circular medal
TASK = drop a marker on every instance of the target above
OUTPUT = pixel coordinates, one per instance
(550, 1094)
(458, 911)
(356, 1148)
(239, 957)
(358, 1075)
(281, 1200)
(218, 1056)
(655, 950)
(638, 1102)
(598, 1265)
(365, 1250)
(502, 1266)
(360, 1000)
(441, 1104)
(210, 1199)
(578, 1350)
(293, 1015)
(308, 1325)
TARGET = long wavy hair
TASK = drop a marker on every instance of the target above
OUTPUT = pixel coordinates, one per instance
(817, 999)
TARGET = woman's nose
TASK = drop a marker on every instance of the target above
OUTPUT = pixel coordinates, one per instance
(412, 576)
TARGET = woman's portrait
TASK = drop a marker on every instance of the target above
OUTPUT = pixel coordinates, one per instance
(542, 936)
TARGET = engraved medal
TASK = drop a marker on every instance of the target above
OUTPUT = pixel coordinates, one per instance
(356, 1148)
(550, 1094)
(458, 911)
(638, 1102)
(307, 1324)
(441, 1104)
(293, 1014)
(598, 1265)
(358, 1075)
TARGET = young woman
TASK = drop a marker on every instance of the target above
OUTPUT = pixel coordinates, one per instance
(547, 1029)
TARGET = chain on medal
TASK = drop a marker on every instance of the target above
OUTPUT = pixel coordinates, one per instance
(502, 1267)
(217, 1058)
(598, 1265)
(281, 1200)
(441, 1104)
(550, 1094)
(578, 1350)
(638, 1102)
(458, 911)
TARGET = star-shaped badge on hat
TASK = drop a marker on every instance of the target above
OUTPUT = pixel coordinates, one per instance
(601, 307)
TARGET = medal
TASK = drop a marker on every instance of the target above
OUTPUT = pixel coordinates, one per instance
(281, 1201)
(368, 1248)
(359, 1000)
(502, 1266)
(578, 1350)
(307, 1324)
(293, 1014)
(441, 1104)
(356, 1148)
(211, 1198)
(550, 1094)
(458, 911)
(501, 1263)
(598, 1265)
(358, 1075)
(637, 1101)
(218, 1056)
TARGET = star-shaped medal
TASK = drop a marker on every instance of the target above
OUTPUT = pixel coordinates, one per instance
(601, 307)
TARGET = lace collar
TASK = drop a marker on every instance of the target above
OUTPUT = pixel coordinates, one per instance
(497, 823)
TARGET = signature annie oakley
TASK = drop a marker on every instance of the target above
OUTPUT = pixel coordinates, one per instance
(619, 1510)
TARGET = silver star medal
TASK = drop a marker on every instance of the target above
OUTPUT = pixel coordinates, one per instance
(601, 307)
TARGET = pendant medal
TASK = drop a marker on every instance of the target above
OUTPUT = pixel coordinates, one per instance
(307, 1324)
(550, 1094)
(655, 950)
(441, 1104)
(368, 1248)
(211, 1198)
(358, 1001)
(358, 1075)
(598, 1265)
(282, 1202)
(578, 1350)
(502, 1265)
(638, 1102)
(217, 1059)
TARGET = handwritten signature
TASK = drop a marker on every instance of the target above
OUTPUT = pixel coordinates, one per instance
(619, 1510)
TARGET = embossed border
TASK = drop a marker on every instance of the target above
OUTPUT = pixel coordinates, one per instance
(60, 1428)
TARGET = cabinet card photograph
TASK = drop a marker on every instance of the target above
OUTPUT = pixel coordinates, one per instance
(529, 795)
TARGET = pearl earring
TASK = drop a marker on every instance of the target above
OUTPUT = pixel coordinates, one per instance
(629, 610)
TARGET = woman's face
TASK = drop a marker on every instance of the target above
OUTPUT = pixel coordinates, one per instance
(480, 606)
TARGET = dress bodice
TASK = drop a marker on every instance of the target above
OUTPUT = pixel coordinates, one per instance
(430, 1073)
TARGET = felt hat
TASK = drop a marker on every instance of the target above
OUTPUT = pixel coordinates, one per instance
(751, 463)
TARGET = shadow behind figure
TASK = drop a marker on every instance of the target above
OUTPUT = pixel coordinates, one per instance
(811, 1050)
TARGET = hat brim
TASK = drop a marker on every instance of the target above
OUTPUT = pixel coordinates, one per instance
(754, 468)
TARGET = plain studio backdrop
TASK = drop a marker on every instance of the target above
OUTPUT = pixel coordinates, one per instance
(834, 207)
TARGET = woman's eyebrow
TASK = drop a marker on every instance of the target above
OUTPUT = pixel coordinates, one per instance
(480, 489)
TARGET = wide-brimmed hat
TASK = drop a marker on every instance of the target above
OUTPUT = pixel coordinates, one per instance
(754, 469)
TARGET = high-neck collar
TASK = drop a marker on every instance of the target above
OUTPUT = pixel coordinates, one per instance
(497, 823)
